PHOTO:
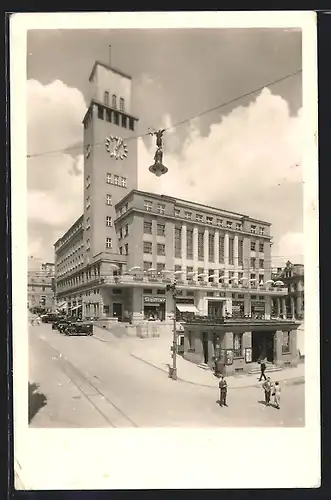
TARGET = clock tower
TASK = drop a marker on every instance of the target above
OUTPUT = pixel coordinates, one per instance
(110, 156)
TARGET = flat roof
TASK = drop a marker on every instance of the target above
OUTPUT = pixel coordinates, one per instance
(68, 231)
(189, 203)
(111, 68)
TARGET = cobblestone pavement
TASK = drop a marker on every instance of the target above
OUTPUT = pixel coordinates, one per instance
(90, 382)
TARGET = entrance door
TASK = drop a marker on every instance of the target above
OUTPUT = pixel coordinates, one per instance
(117, 310)
(205, 346)
(263, 346)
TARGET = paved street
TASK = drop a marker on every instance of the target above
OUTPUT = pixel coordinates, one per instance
(84, 382)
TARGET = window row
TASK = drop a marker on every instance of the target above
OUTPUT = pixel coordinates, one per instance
(124, 231)
(148, 248)
(254, 230)
(113, 101)
(148, 227)
(253, 246)
(254, 262)
(116, 180)
(115, 117)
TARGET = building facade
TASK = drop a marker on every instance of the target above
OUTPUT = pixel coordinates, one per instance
(118, 257)
(41, 286)
(292, 275)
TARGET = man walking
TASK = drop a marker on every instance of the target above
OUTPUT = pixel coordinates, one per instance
(263, 367)
(223, 386)
(267, 386)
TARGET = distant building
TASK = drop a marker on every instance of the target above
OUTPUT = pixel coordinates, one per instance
(292, 275)
(41, 284)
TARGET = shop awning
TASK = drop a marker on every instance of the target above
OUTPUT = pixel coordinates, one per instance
(76, 307)
(187, 308)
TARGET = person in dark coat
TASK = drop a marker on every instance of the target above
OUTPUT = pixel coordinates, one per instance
(263, 367)
(223, 386)
(267, 386)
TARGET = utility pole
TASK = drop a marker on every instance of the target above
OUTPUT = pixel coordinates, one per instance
(173, 369)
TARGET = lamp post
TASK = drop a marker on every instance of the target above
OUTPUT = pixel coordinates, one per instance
(173, 369)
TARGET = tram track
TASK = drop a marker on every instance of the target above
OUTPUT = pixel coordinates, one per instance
(109, 411)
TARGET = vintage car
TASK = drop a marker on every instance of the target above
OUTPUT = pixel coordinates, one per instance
(50, 317)
(79, 327)
(60, 324)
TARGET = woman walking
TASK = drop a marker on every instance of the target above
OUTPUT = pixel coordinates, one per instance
(276, 395)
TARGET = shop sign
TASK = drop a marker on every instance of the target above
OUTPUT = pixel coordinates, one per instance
(185, 300)
(248, 355)
(154, 300)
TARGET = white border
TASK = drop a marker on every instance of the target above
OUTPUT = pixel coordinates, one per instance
(224, 458)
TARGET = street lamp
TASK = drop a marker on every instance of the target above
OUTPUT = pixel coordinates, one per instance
(158, 168)
(173, 369)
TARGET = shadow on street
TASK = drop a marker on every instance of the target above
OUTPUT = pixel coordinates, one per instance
(37, 400)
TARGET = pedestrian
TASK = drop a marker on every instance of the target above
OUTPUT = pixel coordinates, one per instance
(276, 395)
(267, 386)
(263, 367)
(223, 386)
(38, 320)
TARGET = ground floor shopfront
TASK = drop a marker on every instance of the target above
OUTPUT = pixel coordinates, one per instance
(239, 344)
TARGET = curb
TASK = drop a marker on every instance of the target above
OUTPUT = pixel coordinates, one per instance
(290, 381)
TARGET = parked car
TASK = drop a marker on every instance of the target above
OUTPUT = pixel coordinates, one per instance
(60, 324)
(50, 317)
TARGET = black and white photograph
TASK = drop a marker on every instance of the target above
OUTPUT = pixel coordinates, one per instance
(165, 268)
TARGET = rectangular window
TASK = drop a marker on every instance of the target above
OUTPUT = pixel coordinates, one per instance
(126, 207)
(211, 250)
(126, 249)
(229, 224)
(160, 208)
(240, 276)
(108, 243)
(253, 229)
(189, 243)
(148, 205)
(121, 104)
(108, 115)
(160, 230)
(238, 350)
(113, 101)
(190, 293)
(147, 265)
(201, 245)
(109, 221)
(231, 251)
(188, 215)
(126, 230)
(161, 291)
(147, 247)
(88, 202)
(176, 212)
(147, 227)
(100, 112)
(286, 343)
(238, 226)
(108, 199)
(124, 121)
(178, 268)
(219, 222)
(261, 231)
(131, 123)
(88, 182)
(178, 242)
(209, 220)
(116, 118)
(210, 275)
(116, 180)
(198, 217)
(108, 178)
(221, 250)
(189, 269)
(253, 262)
(121, 250)
(160, 249)
(261, 263)
(147, 291)
(88, 223)
(261, 247)
(123, 182)
(106, 98)
(159, 267)
(240, 252)
(253, 277)
(200, 271)
(120, 233)
(253, 246)
(261, 278)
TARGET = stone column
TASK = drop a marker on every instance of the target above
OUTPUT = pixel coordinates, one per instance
(137, 304)
(294, 348)
(235, 255)
(206, 252)
(284, 315)
(247, 304)
(267, 311)
(226, 257)
(299, 305)
(292, 307)
(217, 247)
(278, 342)
(277, 306)
(195, 249)
(184, 243)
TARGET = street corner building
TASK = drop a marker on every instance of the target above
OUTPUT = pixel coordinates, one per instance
(115, 261)
(41, 285)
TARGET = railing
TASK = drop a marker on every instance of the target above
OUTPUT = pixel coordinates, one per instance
(230, 320)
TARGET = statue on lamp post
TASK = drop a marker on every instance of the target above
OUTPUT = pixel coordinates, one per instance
(158, 168)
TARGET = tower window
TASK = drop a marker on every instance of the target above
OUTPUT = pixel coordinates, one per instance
(108, 178)
(109, 221)
(131, 124)
(113, 101)
(124, 182)
(100, 112)
(108, 199)
(108, 115)
(116, 180)
(124, 121)
(106, 98)
(121, 104)
(108, 243)
(116, 119)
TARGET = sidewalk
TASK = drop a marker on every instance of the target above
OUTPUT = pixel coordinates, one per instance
(156, 352)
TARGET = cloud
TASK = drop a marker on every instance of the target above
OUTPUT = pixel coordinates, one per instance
(290, 247)
(249, 163)
(55, 184)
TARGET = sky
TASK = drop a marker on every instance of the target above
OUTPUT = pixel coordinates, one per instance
(245, 156)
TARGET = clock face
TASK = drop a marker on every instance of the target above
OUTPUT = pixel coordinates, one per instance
(116, 147)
